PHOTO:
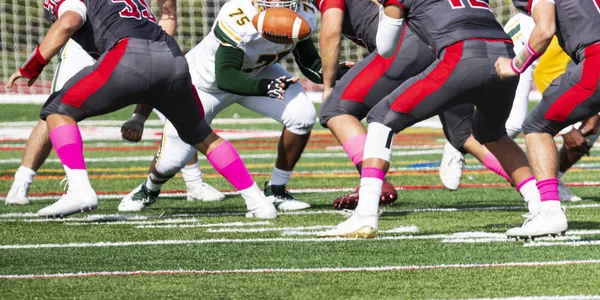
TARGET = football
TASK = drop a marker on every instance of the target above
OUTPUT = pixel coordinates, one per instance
(281, 25)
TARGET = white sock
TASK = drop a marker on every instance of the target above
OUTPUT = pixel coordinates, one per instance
(280, 177)
(191, 174)
(550, 205)
(78, 178)
(559, 175)
(531, 195)
(24, 174)
(155, 187)
(369, 194)
(251, 196)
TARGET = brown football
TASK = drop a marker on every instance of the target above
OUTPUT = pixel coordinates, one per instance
(281, 25)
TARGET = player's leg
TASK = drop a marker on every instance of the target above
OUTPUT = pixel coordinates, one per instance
(71, 59)
(297, 114)
(571, 98)
(361, 88)
(456, 123)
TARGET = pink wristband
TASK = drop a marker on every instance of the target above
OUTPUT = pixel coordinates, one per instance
(34, 65)
(524, 59)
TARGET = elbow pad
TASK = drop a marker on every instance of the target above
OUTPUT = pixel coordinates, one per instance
(389, 31)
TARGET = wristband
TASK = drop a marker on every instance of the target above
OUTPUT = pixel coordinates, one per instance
(524, 59)
(139, 118)
(34, 65)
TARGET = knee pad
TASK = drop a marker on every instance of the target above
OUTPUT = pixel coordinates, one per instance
(299, 117)
(174, 153)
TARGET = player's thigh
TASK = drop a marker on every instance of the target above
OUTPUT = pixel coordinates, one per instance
(71, 59)
(573, 97)
(173, 153)
(296, 111)
(214, 102)
(456, 123)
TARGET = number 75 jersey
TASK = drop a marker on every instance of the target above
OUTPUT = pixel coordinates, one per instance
(233, 28)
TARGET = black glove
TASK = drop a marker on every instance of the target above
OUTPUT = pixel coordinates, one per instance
(273, 87)
(342, 69)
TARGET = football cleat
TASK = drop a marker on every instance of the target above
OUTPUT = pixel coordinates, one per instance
(18, 194)
(74, 201)
(564, 193)
(541, 223)
(282, 199)
(357, 226)
(202, 191)
(260, 207)
(138, 199)
(350, 201)
(451, 167)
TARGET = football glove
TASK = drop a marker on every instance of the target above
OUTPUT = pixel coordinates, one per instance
(275, 88)
(132, 130)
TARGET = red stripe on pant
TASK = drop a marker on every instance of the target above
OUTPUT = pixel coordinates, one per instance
(92, 82)
(423, 88)
(581, 91)
(198, 102)
(362, 83)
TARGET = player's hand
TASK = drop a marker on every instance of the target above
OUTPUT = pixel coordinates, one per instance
(16, 75)
(590, 126)
(343, 69)
(503, 67)
(276, 88)
(132, 130)
(575, 141)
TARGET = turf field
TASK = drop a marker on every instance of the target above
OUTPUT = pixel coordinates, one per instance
(432, 243)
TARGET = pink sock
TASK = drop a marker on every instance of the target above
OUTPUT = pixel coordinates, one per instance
(492, 163)
(226, 160)
(66, 140)
(371, 180)
(372, 173)
(354, 147)
(548, 189)
(522, 183)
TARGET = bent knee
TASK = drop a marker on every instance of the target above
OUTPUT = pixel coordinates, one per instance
(300, 119)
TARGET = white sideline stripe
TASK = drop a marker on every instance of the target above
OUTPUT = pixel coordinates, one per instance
(401, 229)
(214, 241)
(570, 297)
(577, 243)
(204, 225)
(244, 156)
(504, 239)
(307, 270)
(169, 221)
(309, 212)
(299, 228)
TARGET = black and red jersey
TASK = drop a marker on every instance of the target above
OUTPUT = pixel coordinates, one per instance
(360, 19)
(441, 23)
(577, 23)
(109, 21)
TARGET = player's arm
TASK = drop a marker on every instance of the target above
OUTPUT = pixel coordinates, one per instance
(330, 41)
(389, 30)
(167, 16)
(543, 13)
(230, 77)
(310, 63)
(72, 15)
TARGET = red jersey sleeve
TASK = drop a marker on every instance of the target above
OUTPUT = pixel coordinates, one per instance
(324, 5)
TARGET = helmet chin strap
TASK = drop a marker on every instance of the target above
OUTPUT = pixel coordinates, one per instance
(266, 4)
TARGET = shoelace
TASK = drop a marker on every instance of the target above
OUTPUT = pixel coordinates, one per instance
(64, 184)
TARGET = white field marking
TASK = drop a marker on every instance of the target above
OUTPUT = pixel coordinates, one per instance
(575, 243)
(401, 229)
(35, 217)
(217, 241)
(206, 225)
(505, 239)
(87, 145)
(166, 221)
(307, 270)
(264, 229)
(226, 121)
(570, 297)
(244, 156)
(582, 232)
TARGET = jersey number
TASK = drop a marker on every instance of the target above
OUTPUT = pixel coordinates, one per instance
(268, 59)
(242, 20)
(132, 10)
(481, 4)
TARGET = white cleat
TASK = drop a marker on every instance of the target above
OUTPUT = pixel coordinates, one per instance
(18, 194)
(138, 199)
(74, 201)
(565, 194)
(357, 226)
(545, 222)
(288, 205)
(202, 191)
(451, 167)
(260, 208)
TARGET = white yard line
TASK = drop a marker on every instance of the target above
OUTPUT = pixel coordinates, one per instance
(265, 229)
(575, 243)
(569, 297)
(307, 270)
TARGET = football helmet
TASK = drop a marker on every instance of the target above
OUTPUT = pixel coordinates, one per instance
(266, 4)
